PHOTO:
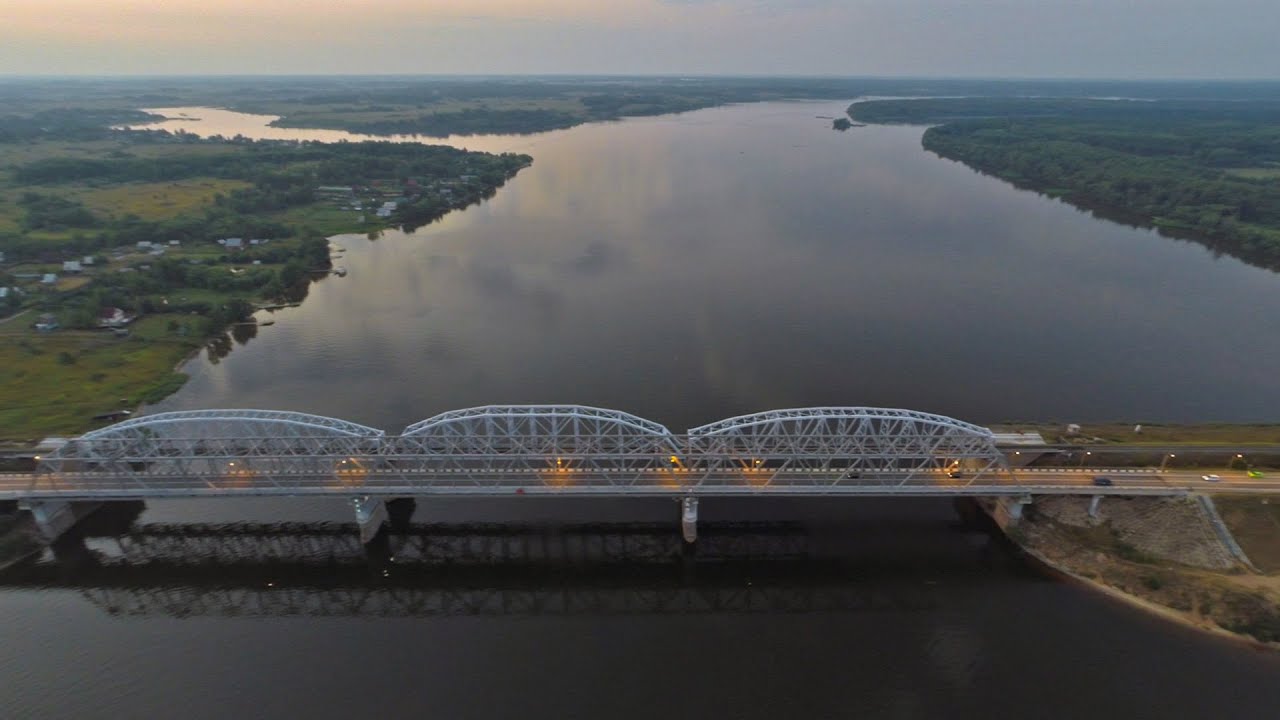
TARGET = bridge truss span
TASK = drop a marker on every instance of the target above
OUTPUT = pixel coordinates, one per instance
(554, 445)
(848, 445)
(216, 449)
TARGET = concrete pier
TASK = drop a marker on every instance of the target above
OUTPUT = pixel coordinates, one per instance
(371, 516)
(53, 518)
(689, 519)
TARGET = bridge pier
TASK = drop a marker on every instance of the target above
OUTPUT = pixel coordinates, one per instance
(1008, 510)
(371, 515)
(689, 519)
(55, 517)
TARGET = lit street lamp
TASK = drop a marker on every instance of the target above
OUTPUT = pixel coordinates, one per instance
(1165, 460)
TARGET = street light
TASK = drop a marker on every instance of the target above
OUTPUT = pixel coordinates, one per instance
(1165, 460)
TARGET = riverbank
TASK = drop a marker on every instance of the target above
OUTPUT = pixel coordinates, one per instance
(1143, 433)
(1193, 170)
(1162, 555)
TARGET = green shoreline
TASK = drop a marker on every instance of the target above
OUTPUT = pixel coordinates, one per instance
(1200, 171)
(142, 224)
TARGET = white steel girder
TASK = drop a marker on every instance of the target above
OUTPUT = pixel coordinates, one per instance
(498, 449)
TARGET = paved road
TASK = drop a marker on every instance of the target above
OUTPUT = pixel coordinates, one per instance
(1070, 481)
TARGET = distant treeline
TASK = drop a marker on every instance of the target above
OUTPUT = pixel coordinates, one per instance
(65, 124)
(1208, 171)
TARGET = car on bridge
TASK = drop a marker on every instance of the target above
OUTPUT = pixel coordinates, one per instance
(1255, 474)
(1101, 481)
(1211, 478)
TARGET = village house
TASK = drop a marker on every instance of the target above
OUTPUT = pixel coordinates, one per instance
(87, 260)
(112, 317)
(71, 266)
(48, 279)
(46, 322)
(232, 243)
(144, 245)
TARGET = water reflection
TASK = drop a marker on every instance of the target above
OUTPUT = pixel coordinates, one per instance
(321, 569)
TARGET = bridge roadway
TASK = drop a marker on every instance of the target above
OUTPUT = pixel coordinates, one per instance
(673, 483)
(556, 451)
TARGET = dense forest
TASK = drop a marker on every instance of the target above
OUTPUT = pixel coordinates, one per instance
(1208, 171)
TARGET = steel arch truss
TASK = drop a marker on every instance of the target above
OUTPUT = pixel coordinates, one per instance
(535, 447)
(221, 450)
(846, 448)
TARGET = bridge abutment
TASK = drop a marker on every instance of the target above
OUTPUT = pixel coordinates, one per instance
(371, 515)
(1008, 510)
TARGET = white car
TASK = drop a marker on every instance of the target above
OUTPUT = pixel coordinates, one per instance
(1210, 478)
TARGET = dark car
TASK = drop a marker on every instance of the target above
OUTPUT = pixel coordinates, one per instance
(1103, 482)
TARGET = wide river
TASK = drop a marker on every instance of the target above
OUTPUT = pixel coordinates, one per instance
(684, 268)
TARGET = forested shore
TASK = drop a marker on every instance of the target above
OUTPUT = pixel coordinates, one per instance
(1202, 170)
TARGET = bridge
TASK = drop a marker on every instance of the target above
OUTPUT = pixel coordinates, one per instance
(537, 450)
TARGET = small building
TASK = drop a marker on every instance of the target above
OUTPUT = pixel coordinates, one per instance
(1, 257)
(71, 266)
(48, 279)
(47, 322)
(383, 213)
(112, 317)
(232, 243)
(259, 241)
(87, 260)
(144, 245)
(175, 243)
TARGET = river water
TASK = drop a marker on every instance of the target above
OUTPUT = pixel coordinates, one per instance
(684, 268)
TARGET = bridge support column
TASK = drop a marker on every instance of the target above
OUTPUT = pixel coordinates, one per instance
(1094, 502)
(1008, 511)
(371, 515)
(55, 517)
(689, 519)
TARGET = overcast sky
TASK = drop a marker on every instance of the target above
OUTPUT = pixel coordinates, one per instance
(1044, 38)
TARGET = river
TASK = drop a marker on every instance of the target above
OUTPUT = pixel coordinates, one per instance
(684, 268)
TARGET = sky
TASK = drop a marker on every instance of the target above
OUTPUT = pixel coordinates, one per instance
(980, 38)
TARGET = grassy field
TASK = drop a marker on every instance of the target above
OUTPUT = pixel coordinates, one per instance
(324, 218)
(1211, 434)
(82, 374)
(157, 201)
(1256, 173)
